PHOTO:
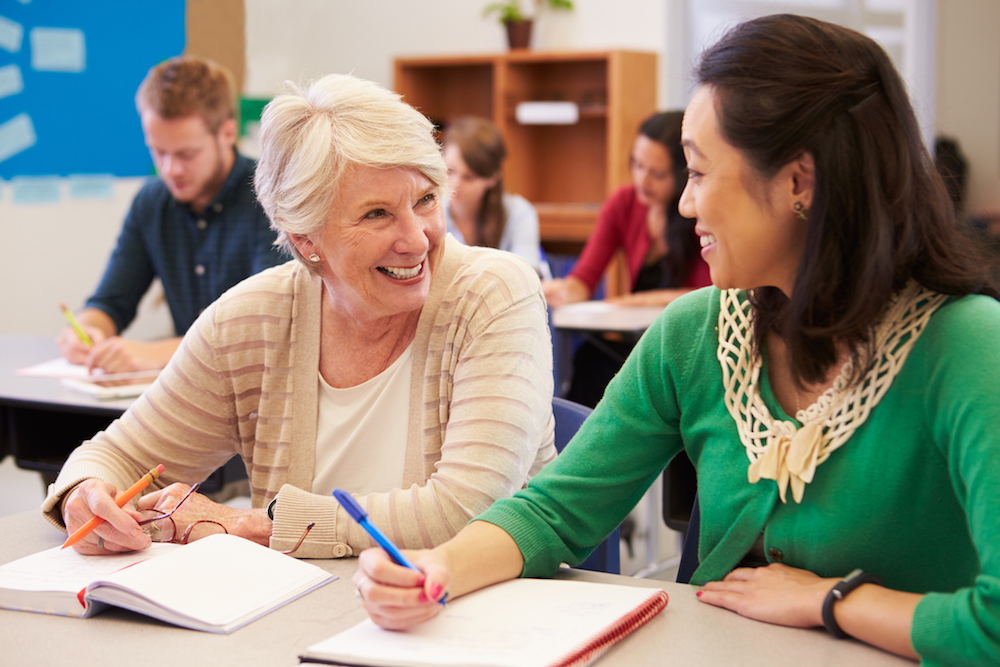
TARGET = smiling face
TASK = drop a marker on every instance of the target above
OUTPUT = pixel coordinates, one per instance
(191, 161)
(749, 232)
(381, 243)
(652, 172)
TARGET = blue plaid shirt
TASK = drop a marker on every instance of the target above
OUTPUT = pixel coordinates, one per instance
(196, 257)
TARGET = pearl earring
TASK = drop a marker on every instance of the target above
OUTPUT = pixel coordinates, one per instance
(314, 257)
(799, 211)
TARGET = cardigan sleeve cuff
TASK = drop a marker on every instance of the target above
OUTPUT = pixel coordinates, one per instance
(293, 511)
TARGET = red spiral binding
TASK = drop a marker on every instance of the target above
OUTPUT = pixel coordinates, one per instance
(621, 628)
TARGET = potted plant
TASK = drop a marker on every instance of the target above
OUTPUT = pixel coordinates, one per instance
(517, 21)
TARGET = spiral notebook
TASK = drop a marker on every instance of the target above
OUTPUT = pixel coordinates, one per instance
(517, 623)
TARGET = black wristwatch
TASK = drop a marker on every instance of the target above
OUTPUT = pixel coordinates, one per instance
(839, 592)
(270, 508)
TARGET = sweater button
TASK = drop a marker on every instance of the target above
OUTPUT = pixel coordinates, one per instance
(339, 550)
(776, 554)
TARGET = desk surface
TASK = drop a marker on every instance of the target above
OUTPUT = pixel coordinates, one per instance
(687, 632)
(22, 351)
(603, 316)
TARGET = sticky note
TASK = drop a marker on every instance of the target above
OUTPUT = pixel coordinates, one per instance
(16, 135)
(91, 186)
(58, 49)
(35, 189)
(11, 34)
(11, 82)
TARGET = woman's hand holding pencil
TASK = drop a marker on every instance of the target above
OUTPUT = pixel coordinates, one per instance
(109, 527)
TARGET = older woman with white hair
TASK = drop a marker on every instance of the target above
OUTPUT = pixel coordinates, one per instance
(388, 360)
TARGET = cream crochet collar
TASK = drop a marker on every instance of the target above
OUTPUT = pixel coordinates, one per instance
(780, 450)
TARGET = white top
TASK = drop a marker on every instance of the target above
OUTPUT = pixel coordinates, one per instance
(361, 432)
(520, 233)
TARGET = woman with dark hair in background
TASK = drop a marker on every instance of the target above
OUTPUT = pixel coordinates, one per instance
(480, 212)
(660, 246)
(837, 393)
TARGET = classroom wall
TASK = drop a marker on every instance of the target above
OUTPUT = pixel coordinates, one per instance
(58, 251)
(359, 38)
(968, 92)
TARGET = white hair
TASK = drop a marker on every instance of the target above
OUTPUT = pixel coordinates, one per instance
(310, 138)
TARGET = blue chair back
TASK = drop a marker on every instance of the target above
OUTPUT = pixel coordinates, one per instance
(569, 416)
(689, 556)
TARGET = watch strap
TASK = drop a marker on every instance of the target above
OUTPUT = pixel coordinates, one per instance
(839, 592)
(270, 508)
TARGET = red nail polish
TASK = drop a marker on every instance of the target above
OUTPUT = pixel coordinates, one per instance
(421, 581)
(436, 591)
(423, 599)
(698, 594)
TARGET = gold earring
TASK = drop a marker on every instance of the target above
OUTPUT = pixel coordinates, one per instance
(314, 257)
(800, 211)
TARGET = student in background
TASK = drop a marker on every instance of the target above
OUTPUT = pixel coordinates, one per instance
(197, 226)
(837, 392)
(661, 249)
(480, 212)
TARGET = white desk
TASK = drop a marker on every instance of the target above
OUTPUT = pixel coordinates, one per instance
(41, 421)
(601, 316)
(687, 632)
(592, 318)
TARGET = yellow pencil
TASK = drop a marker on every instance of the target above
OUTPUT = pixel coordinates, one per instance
(76, 326)
(96, 521)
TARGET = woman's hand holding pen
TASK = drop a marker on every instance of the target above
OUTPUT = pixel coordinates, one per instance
(397, 597)
(120, 530)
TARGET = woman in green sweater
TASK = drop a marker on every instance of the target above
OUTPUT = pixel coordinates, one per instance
(836, 390)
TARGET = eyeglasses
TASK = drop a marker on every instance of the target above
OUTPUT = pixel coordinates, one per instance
(161, 527)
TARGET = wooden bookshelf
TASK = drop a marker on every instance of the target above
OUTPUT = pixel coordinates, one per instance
(566, 171)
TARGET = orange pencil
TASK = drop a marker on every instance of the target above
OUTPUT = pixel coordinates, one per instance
(96, 521)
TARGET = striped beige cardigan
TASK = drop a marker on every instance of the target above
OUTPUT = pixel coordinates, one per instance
(244, 381)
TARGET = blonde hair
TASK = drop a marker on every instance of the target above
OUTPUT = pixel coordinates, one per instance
(310, 138)
(189, 86)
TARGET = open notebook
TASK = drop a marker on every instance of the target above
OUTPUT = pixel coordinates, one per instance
(217, 584)
(98, 384)
(517, 623)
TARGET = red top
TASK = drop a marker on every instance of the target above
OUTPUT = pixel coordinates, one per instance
(622, 224)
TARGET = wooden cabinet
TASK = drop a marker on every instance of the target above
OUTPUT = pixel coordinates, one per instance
(566, 171)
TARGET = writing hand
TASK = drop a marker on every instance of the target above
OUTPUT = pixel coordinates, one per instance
(121, 355)
(775, 594)
(74, 350)
(397, 597)
(120, 530)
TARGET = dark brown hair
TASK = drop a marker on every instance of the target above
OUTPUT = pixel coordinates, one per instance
(880, 215)
(189, 86)
(682, 243)
(482, 147)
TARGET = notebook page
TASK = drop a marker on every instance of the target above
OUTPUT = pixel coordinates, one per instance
(518, 623)
(215, 584)
(49, 581)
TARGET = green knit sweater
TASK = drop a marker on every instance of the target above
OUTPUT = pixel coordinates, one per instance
(913, 496)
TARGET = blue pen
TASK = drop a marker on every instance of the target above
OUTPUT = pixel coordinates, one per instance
(354, 509)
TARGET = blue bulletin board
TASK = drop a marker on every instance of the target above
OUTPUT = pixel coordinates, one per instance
(69, 70)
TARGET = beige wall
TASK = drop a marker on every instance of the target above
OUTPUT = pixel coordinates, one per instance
(968, 92)
(363, 37)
